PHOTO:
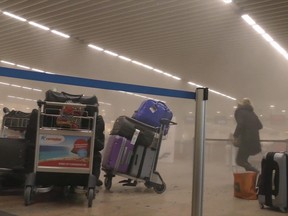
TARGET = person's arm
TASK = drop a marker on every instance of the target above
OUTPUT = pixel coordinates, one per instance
(240, 124)
(99, 135)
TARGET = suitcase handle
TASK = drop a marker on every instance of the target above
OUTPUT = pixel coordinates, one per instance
(71, 96)
(136, 160)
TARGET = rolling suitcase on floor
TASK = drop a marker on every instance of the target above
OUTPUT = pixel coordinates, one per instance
(142, 162)
(125, 127)
(118, 153)
(272, 183)
(151, 112)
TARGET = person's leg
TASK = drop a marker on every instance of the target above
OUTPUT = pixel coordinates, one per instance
(97, 167)
(242, 160)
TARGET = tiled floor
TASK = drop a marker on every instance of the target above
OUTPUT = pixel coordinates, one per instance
(125, 201)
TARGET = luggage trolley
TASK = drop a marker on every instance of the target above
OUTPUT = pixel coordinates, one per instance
(64, 150)
(152, 178)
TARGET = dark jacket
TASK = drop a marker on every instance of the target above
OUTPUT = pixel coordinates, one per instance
(247, 129)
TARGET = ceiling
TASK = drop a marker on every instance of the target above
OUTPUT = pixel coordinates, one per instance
(203, 41)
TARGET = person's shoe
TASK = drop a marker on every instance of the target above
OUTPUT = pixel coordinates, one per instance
(99, 183)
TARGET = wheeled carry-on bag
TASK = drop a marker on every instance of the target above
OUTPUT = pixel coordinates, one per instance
(142, 162)
(125, 127)
(118, 153)
(151, 112)
(272, 183)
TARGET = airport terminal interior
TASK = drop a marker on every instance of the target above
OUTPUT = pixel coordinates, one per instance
(124, 53)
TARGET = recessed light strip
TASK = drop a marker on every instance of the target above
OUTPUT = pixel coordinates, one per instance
(37, 25)
(213, 91)
(266, 36)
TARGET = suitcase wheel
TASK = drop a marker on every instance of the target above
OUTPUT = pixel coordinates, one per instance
(108, 182)
(159, 189)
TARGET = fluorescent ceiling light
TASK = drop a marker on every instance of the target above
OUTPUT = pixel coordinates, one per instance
(248, 19)
(194, 84)
(28, 88)
(60, 34)
(227, 1)
(39, 90)
(2, 83)
(147, 66)
(110, 53)
(49, 72)
(259, 29)
(175, 77)
(167, 74)
(95, 47)
(17, 86)
(138, 63)
(34, 69)
(39, 26)
(23, 66)
(267, 37)
(6, 62)
(158, 71)
(278, 48)
(14, 16)
(125, 58)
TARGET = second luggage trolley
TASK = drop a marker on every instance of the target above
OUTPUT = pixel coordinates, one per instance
(135, 162)
(64, 149)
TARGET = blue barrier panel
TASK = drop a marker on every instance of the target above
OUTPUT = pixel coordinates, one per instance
(78, 81)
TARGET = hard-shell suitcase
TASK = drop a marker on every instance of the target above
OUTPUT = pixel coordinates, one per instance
(125, 126)
(151, 112)
(272, 183)
(118, 153)
(142, 162)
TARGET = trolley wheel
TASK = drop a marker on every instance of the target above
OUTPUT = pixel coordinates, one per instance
(160, 188)
(90, 196)
(261, 206)
(28, 195)
(148, 184)
(108, 183)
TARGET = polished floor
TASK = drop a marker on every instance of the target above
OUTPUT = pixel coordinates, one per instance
(125, 201)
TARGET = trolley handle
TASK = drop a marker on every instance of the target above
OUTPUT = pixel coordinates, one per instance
(40, 103)
(166, 122)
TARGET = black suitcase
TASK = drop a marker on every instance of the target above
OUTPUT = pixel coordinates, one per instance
(272, 183)
(125, 127)
(12, 162)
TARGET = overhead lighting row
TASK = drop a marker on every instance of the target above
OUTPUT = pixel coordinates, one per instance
(37, 25)
(18, 86)
(25, 67)
(266, 36)
(108, 52)
(213, 91)
(132, 61)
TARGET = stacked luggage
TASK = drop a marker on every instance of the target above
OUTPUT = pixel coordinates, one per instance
(272, 183)
(133, 146)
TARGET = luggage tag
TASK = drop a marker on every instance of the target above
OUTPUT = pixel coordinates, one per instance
(135, 136)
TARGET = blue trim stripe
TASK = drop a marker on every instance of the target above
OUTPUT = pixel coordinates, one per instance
(91, 83)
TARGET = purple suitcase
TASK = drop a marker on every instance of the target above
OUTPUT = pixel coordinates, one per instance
(151, 112)
(118, 153)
